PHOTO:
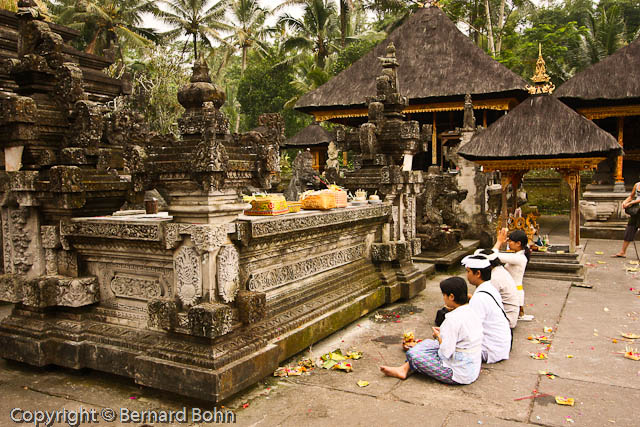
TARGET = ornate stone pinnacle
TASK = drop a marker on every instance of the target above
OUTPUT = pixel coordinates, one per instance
(200, 89)
(541, 80)
(200, 71)
(389, 60)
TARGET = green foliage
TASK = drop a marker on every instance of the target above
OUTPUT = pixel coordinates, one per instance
(157, 77)
(105, 24)
(561, 46)
(351, 53)
(265, 88)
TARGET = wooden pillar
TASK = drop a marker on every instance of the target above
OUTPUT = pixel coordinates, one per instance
(573, 179)
(577, 197)
(619, 178)
(344, 158)
(516, 179)
(484, 119)
(434, 142)
(505, 180)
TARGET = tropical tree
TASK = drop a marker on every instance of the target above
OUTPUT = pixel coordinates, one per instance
(197, 19)
(307, 77)
(317, 31)
(108, 22)
(247, 27)
(606, 33)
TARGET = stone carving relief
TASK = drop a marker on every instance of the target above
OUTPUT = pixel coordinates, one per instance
(48, 291)
(77, 292)
(135, 287)
(283, 225)
(283, 274)
(205, 237)
(228, 273)
(188, 273)
(20, 240)
(111, 230)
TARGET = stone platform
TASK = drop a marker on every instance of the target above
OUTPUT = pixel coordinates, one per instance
(448, 259)
(551, 265)
(205, 310)
(603, 230)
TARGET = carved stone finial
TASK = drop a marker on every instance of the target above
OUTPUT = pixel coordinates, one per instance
(200, 89)
(200, 71)
(541, 80)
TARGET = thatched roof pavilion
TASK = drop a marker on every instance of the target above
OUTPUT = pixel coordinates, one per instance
(315, 138)
(540, 133)
(312, 135)
(439, 65)
(609, 91)
(615, 78)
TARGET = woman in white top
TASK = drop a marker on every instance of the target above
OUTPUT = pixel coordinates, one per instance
(515, 263)
(506, 286)
(454, 355)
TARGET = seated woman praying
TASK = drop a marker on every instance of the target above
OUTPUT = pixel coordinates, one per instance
(454, 355)
(515, 263)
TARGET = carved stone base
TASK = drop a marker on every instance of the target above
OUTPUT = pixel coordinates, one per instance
(49, 291)
(209, 320)
(252, 306)
(203, 368)
(163, 314)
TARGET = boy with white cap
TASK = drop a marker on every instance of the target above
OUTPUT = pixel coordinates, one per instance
(487, 304)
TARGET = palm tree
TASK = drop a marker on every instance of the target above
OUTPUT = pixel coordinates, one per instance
(316, 31)
(308, 76)
(197, 19)
(110, 22)
(247, 23)
(606, 32)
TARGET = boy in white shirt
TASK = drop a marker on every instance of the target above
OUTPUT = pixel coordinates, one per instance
(487, 304)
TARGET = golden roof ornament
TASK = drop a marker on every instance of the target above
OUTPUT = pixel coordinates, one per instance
(428, 3)
(541, 80)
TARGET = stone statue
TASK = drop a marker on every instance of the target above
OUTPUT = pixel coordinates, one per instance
(437, 223)
(303, 176)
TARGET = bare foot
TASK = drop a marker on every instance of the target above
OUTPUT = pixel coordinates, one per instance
(399, 372)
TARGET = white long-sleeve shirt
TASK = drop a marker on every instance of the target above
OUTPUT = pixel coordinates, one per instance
(461, 347)
(515, 264)
(504, 283)
(496, 343)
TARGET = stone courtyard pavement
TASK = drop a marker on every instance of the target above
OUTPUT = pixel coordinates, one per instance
(585, 322)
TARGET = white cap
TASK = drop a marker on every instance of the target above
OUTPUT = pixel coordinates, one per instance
(493, 255)
(473, 261)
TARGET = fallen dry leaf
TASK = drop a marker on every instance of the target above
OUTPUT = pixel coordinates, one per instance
(362, 383)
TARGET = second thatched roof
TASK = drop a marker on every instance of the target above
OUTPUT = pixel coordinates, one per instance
(312, 135)
(616, 77)
(540, 127)
(437, 62)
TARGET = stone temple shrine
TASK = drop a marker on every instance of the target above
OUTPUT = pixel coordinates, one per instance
(200, 300)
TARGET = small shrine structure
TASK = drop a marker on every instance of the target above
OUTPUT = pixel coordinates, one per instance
(439, 66)
(542, 133)
(316, 139)
(608, 93)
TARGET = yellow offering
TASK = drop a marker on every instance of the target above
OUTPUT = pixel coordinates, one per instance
(270, 204)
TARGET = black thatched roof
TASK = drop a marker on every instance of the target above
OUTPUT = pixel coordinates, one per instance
(615, 77)
(314, 134)
(540, 127)
(436, 60)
